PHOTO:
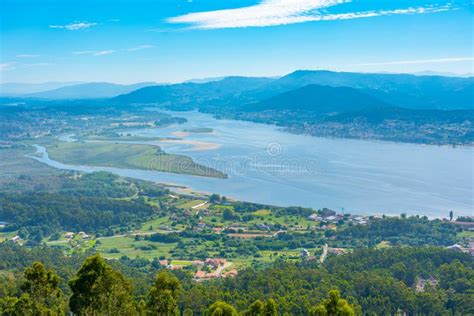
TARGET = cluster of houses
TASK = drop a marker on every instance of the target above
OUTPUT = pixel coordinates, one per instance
(458, 248)
(305, 254)
(329, 217)
(215, 264)
(70, 235)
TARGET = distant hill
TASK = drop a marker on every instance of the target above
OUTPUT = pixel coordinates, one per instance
(204, 80)
(193, 94)
(318, 99)
(18, 89)
(410, 91)
(443, 74)
(404, 90)
(95, 90)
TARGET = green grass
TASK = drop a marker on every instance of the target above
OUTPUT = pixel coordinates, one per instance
(155, 224)
(262, 212)
(125, 138)
(18, 172)
(466, 234)
(131, 156)
(7, 236)
(128, 247)
(190, 204)
(383, 245)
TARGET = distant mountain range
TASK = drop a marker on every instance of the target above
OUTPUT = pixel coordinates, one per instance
(194, 95)
(403, 90)
(11, 89)
(95, 90)
(410, 91)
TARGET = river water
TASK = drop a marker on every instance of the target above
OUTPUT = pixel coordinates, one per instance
(270, 166)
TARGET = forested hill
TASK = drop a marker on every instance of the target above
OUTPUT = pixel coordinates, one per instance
(403, 90)
(410, 91)
(318, 99)
(89, 91)
(194, 94)
(413, 281)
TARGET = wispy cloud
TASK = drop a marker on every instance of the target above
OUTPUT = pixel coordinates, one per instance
(94, 52)
(74, 26)
(27, 56)
(111, 51)
(281, 12)
(266, 13)
(7, 66)
(36, 64)
(418, 61)
(103, 52)
(140, 47)
(15, 65)
(369, 14)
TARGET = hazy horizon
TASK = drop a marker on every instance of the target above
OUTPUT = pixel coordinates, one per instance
(418, 73)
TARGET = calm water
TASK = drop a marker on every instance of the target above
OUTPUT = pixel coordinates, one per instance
(269, 166)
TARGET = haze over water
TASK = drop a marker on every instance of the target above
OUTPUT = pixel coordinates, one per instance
(267, 165)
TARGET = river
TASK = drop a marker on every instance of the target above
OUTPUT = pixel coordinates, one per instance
(268, 165)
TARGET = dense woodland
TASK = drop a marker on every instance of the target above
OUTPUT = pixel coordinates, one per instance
(372, 282)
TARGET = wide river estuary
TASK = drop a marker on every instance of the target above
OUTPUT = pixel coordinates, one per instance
(267, 165)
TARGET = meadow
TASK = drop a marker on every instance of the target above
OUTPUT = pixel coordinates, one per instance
(131, 156)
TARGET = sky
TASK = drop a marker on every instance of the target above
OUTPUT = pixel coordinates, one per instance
(175, 40)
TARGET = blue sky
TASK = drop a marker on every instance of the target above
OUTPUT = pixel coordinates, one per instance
(174, 40)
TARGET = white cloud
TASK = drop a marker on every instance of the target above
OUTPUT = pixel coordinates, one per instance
(35, 64)
(7, 66)
(94, 52)
(140, 47)
(84, 52)
(103, 52)
(369, 14)
(419, 61)
(281, 12)
(266, 13)
(74, 26)
(110, 51)
(27, 56)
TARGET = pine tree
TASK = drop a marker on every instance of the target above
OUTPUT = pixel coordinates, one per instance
(164, 294)
(41, 294)
(221, 308)
(98, 289)
(334, 305)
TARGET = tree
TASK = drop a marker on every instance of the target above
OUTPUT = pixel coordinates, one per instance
(8, 305)
(451, 215)
(214, 198)
(271, 308)
(41, 294)
(164, 294)
(188, 312)
(334, 305)
(255, 309)
(98, 289)
(221, 308)
(228, 215)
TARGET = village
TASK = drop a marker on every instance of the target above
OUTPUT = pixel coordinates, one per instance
(214, 238)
